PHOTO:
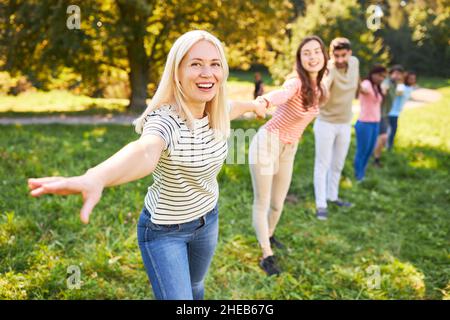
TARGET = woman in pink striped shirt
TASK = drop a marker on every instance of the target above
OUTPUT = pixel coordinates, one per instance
(272, 150)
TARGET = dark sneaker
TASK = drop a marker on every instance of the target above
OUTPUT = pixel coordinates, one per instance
(276, 243)
(341, 203)
(322, 213)
(269, 265)
(377, 163)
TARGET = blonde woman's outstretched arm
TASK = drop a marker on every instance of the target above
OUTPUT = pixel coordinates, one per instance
(134, 161)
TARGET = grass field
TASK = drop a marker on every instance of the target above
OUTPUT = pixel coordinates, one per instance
(39, 103)
(399, 226)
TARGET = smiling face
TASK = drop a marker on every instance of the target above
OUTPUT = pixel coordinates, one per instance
(396, 75)
(341, 57)
(378, 77)
(312, 57)
(410, 79)
(201, 73)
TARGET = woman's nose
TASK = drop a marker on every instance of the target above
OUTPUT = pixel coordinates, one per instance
(206, 72)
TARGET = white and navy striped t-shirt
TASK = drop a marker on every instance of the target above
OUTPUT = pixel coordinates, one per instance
(185, 180)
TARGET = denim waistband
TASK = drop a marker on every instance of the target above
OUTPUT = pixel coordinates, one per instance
(201, 219)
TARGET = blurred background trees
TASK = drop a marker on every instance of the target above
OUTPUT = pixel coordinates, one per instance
(121, 45)
(330, 19)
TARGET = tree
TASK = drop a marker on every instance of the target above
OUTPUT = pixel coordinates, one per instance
(417, 35)
(132, 36)
(430, 25)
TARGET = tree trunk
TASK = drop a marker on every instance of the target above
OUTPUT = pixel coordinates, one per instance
(134, 15)
(138, 75)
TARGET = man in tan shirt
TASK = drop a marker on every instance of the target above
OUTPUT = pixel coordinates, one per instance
(332, 129)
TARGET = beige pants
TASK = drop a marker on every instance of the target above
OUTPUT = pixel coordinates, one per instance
(271, 164)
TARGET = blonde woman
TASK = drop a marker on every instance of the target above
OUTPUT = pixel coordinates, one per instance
(183, 144)
(272, 150)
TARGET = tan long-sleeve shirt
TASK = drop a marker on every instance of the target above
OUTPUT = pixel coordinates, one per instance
(342, 85)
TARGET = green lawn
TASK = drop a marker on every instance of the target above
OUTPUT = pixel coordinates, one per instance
(57, 102)
(400, 224)
(39, 103)
(433, 83)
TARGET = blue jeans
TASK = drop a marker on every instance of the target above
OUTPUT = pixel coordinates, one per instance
(177, 257)
(366, 138)
(392, 131)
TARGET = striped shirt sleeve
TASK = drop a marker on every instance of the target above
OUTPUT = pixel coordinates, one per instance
(281, 96)
(156, 124)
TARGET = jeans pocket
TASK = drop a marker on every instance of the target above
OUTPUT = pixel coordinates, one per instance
(153, 231)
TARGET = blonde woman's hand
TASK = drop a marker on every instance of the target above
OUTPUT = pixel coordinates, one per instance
(260, 107)
(87, 185)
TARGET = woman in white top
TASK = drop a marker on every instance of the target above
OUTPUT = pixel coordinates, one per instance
(183, 143)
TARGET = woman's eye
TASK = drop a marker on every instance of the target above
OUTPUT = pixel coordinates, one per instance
(216, 65)
(195, 64)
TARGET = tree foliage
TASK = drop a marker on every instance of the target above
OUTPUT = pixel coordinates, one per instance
(418, 35)
(330, 19)
(130, 36)
(126, 41)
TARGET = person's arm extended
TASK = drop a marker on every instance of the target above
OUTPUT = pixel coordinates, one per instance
(364, 87)
(282, 95)
(238, 108)
(134, 161)
(399, 90)
(358, 88)
(326, 94)
(385, 86)
(329, 77)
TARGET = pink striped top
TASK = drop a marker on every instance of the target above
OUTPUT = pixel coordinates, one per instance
(290, 118)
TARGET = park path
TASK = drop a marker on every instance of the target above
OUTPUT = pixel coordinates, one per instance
(420, 97)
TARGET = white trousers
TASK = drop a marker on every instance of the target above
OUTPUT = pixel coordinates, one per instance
(271, 165)
(331, 144)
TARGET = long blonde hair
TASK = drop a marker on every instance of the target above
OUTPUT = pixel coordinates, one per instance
(169, 89)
